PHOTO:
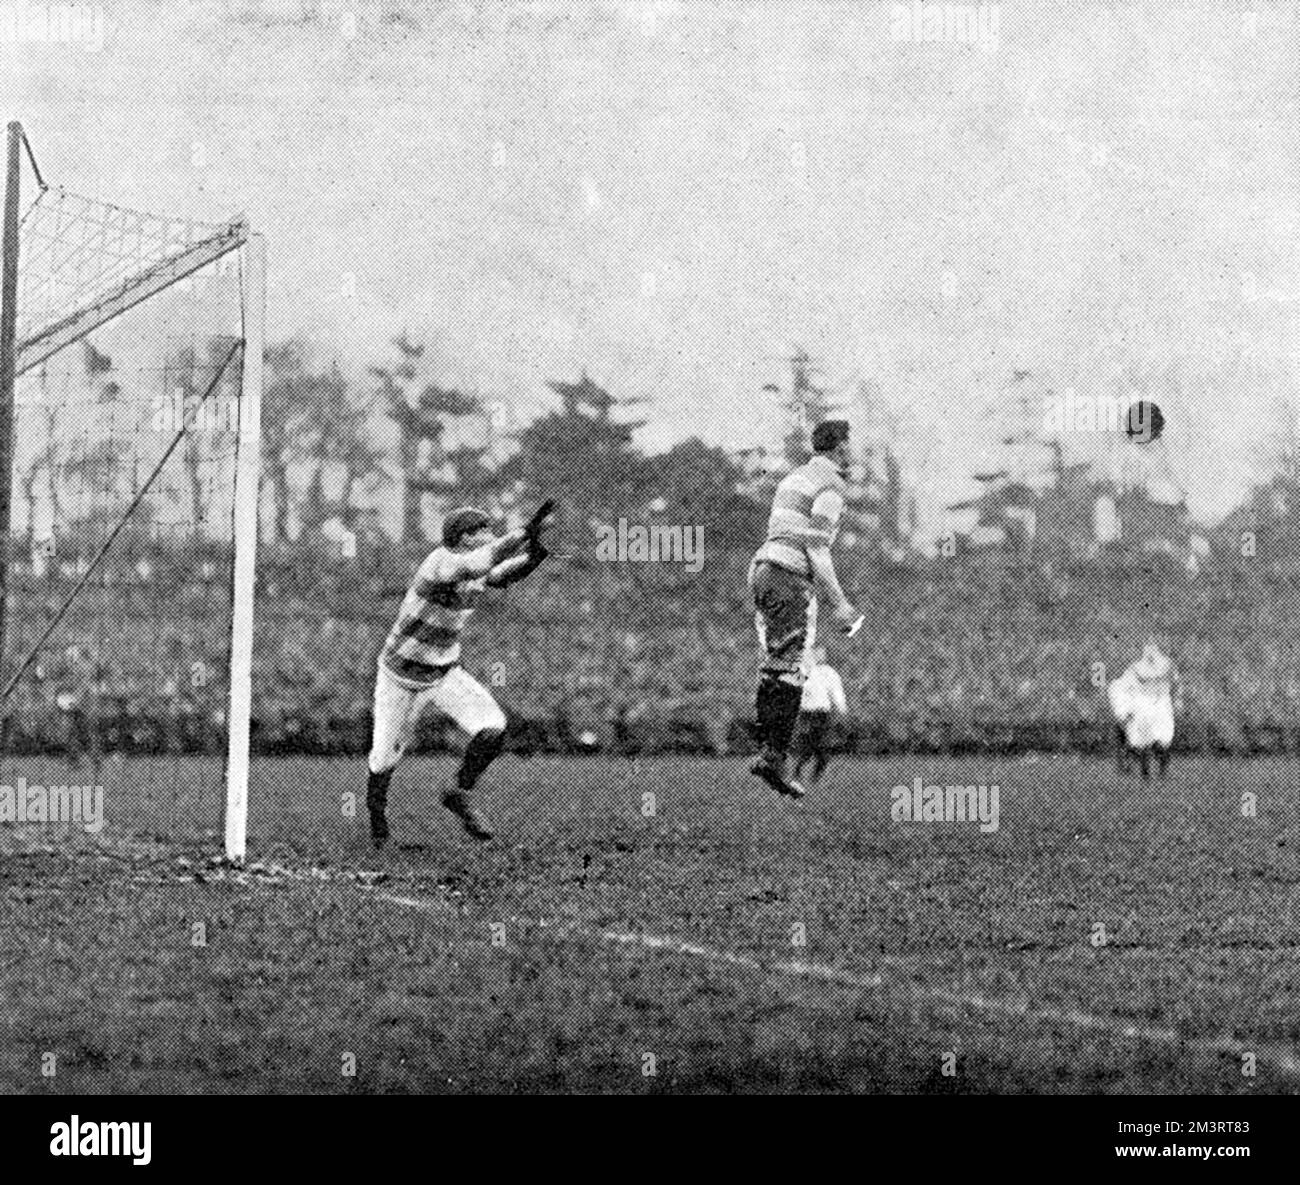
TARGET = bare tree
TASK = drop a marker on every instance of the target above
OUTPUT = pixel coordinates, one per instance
(422, 408)
(337, 444)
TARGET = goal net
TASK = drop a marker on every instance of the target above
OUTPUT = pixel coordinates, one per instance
(128, 589)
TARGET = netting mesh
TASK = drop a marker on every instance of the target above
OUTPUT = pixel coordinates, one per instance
(78, 252)
(126, 444)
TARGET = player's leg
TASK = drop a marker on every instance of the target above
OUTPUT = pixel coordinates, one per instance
(1121, 748)
(818, 740)
(1145, 733)
(803, 751)
(396, 712)
(471, 706)
(815, 722)
(781, 600)
(1144, 762)
(1163, 730)
(1162, 760)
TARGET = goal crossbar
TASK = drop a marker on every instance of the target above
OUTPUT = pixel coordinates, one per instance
(40, 347)
(20, 354)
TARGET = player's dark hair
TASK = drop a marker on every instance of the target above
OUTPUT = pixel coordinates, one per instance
(829, 435)
(461, 522)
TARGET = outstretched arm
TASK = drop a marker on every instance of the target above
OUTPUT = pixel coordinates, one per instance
(516, 567)
(471, 565)
(509, 570)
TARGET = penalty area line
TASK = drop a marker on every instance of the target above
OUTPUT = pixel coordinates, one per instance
(1282, 1057)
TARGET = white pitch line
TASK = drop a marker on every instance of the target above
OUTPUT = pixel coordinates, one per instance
(419, 903)
(714, 955)
(1282, 1057)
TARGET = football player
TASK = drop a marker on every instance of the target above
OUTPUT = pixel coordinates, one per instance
(419, 667)
(823, 693)
(1144, 700)
(789, 572)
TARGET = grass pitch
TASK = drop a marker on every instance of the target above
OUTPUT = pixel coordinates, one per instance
(711, 939)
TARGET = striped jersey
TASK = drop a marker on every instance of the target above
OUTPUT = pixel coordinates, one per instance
(425, 639)
(805, 513)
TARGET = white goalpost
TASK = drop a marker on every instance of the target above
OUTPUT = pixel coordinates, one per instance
(247, 486)
(131, 354)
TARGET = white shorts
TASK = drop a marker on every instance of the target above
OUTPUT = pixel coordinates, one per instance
(1146, 720)
(1151, 723)
(398, 709)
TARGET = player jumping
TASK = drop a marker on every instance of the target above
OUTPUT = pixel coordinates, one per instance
(419, 666)
(788, 571)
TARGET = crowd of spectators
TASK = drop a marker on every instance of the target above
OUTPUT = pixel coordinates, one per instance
(958, 655)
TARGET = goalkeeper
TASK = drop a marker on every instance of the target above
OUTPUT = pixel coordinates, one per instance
(419, 666)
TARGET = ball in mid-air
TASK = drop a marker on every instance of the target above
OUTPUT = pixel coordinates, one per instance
(1145, 421)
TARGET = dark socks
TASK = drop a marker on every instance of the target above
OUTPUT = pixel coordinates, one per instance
(377, 789)
(377, 803)
(778, 712)
(479, 754)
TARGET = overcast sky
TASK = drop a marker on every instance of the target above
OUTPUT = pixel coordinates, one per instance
(676, 195)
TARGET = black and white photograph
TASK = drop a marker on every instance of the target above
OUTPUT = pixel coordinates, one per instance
(651, 547)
